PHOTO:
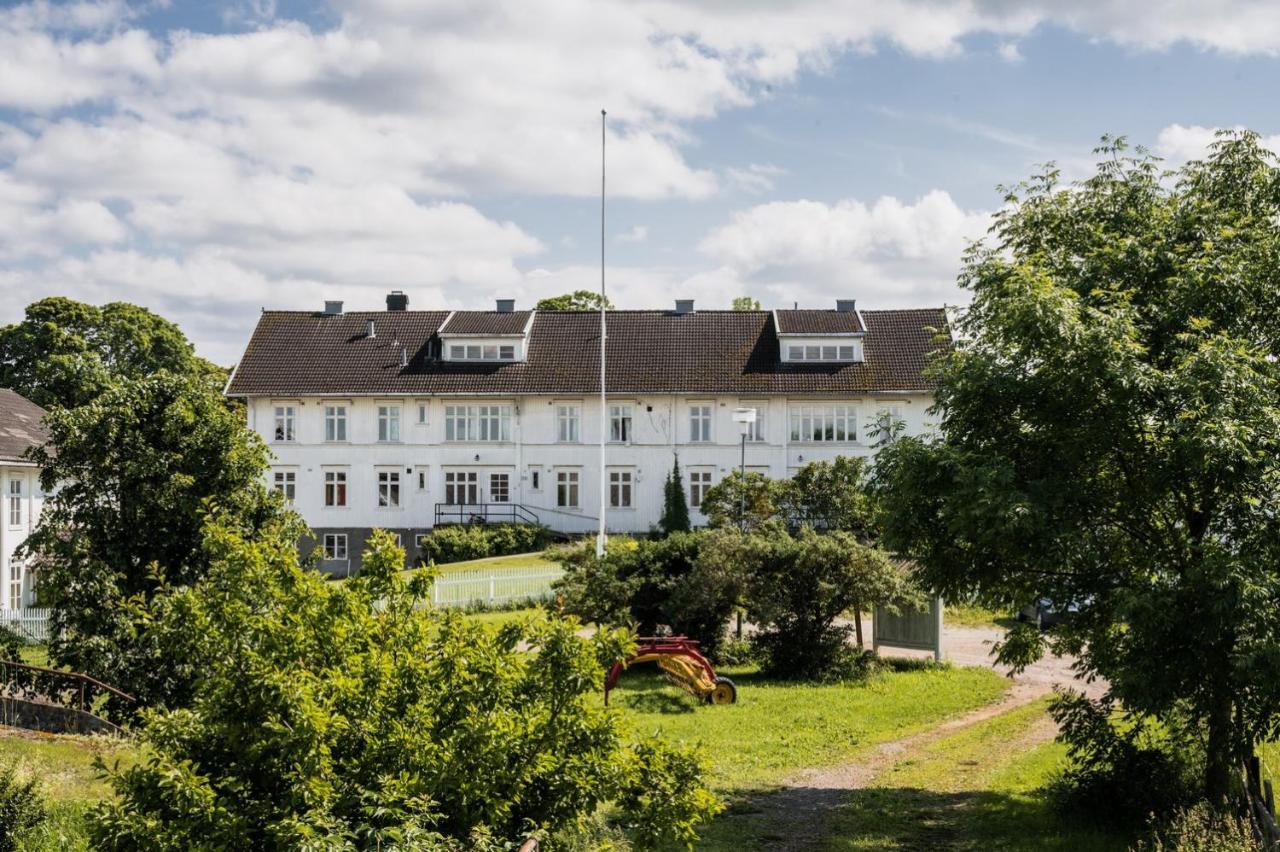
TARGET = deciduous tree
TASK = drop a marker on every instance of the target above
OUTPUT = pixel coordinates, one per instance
(578, 300)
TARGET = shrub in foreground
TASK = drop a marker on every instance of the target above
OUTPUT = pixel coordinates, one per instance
(460, 542)
(348, 717)
(22, 808)
(1202, 828)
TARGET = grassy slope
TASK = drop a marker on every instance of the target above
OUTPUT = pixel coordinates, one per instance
(980, 788)
(517, 560)
(969, 615)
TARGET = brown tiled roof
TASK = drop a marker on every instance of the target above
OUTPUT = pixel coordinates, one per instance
(487, 322)
(20, 425)
(736, 352)
(819, 322)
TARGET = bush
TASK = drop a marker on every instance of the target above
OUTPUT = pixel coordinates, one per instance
(1201, 828)
(459, 542)
(1123, 771)
(653, 584)
(345, 716)
(21, 807)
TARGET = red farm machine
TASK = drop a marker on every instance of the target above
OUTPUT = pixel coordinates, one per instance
(683, 664)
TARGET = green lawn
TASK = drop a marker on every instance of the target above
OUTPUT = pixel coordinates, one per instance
(971, 615)
(500, 617)
(980, 788)
(515, 561)
(68, 780)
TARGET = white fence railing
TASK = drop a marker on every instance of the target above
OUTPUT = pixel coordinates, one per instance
(31, 624)
(493, 586)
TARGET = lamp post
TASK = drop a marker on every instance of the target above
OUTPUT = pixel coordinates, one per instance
(745, 418)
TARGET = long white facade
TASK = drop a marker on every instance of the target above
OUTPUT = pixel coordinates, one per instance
(22, 502)
(351, 464)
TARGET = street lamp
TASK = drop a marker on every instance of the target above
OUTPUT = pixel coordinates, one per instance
(745, 418)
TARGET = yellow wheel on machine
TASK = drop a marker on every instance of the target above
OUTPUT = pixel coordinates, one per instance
(724, 692)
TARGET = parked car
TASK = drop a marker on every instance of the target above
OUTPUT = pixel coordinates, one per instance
(1045, 614)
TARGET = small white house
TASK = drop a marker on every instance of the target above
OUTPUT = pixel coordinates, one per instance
(20, 429)
(405, 419)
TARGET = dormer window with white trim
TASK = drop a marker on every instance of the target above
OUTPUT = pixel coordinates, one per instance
(482, 352)
(817, 350)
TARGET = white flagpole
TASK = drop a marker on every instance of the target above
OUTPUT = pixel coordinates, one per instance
(604, 408)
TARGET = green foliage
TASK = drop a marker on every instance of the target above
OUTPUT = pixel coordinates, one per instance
(830, 496)
(65, 353)
(578, 300)
(22, 808)
(458, 542)
(745, 303)
(747, 502)
(797, 587)
(1110, 435)
(675, 506)
(133, 476)
(350, 717)
(1202, 828)
(657, 583)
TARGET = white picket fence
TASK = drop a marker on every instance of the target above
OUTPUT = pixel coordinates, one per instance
(31, 624)
(493, 585)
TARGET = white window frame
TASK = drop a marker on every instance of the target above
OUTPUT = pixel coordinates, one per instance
(388, 424)
(285, 428)
(286, 482)
(482, 352)
(466, 480)
(756, 431)
(335, 486)
(389, 489)
(701, 416)
(499, 479)
(485, 424)
(699, 483)
(535, 477)
(823, 424)
(15, 502)
(568, 489)
(423, 412)
(620, 424)
(335, 423)
(622, 489)
(568, 424)
(838, 351)
(335, 547)
(15, 584)
(422, 477)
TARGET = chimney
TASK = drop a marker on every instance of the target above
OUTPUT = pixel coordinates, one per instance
(332, 307)
(845, 306)
(506, 306)
(369, 330)
(684, 306)
(397, 301)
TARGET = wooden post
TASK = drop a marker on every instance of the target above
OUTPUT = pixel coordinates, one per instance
(491, 585)
(1255, 776)
(937, 626)
(1268, 795)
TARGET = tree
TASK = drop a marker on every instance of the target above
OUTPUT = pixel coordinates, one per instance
(1110, 436)
(742, 502)
(675, 507)
(745, 303)
(65, 353)
(578, 300)
(133, 475)
(830, 496)
(796, 588)
(353, 717)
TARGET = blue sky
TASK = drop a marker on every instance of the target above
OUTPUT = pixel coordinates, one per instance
(207, 160)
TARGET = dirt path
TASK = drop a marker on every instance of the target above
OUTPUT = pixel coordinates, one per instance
(799, 814)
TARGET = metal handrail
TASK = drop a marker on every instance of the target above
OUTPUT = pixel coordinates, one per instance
(79, 677)
(483, 513)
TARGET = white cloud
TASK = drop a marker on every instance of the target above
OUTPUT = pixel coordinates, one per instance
(1010, 52)
(636, 234)
(1179, 143)
(756, 179)
(887, 253)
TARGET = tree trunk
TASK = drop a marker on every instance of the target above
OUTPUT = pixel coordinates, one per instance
(1220, 760)
(857, 625)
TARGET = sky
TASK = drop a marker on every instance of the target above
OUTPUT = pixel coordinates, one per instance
(208, 160)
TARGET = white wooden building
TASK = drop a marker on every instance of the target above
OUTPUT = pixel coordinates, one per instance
(20, 429)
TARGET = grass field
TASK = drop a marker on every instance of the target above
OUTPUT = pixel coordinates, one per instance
(970, 615)
(501, 563)
(980, 788)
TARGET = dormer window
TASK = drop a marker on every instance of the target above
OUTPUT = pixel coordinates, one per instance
(824, 352)
(482, 352)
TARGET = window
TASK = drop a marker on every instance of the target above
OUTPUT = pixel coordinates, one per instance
(461, 487)
(846, 353)
(507, 353)
(756, 431)
(535, 478)
(388, 489)
(699, 482)
(567, 419)
(824, 423)
(419, 539)
(15, 585)
(335, 423)
(889, 424)
(286, 483)
(620, 423)
(795, 353)
(285, 415)
(388, 423)
(825, 352)
(335, 488)
(567, 489)
(420, 474)
(482, 352)
(699, 423)
(499, 488)
(15, 502)
(620, 489)
(477, 423)
(422, 414)
(335, 545)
